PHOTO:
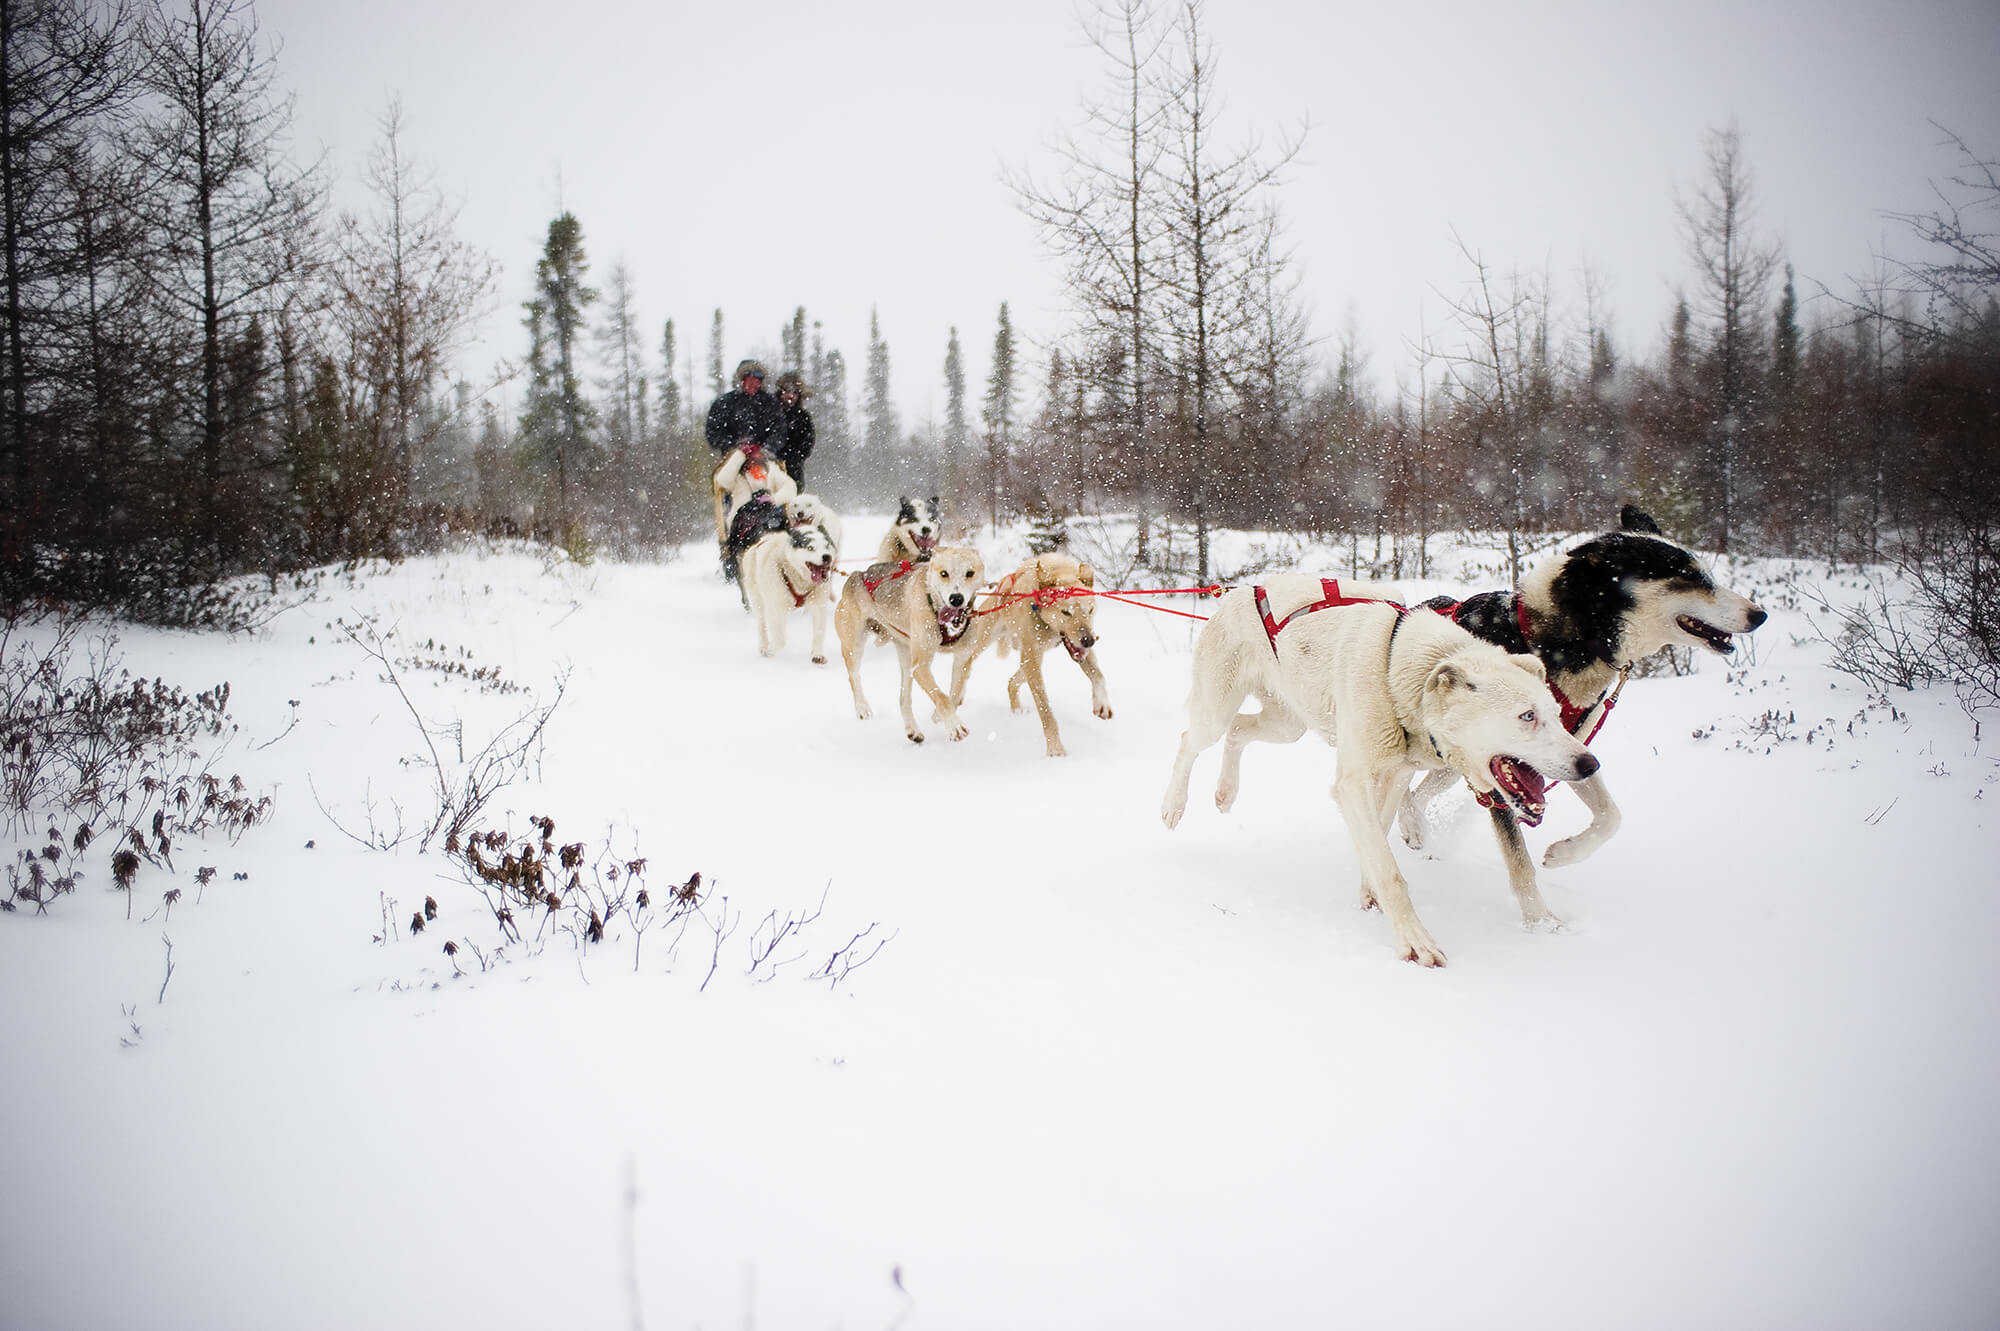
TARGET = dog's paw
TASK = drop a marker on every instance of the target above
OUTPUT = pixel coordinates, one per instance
(1056, 749)
(1545, 923)
(1102, 711)
(1170, 814)
(1424, 953)
(863, 712)
(819, 660)
(1415, 831)
(959, 732)
(916, 736)
(1568, 851)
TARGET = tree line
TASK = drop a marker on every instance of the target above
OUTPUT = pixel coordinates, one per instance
(206, 371)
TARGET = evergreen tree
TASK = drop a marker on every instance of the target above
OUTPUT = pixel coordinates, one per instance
(878, 411)
(560, 419)
(717, 383)
(998, 412)
(673, 425)
(793, 339)
(955, 429)
(1785, 343)
(833, 455)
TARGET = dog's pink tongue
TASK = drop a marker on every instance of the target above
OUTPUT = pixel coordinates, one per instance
(1531, 783)
(1522, 779)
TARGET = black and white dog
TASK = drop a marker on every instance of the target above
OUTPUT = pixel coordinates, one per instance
(1590, 615)
(915, 534)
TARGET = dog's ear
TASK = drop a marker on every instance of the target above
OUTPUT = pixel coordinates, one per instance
(1445, 677)
(906, 513)
(1041, 574)
(1086, 575)
(1630, 518)
(1532, 664)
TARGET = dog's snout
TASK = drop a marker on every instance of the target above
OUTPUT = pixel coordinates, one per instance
(1089, 641)
(1587, 766)
(1757, 617)
(956, 599)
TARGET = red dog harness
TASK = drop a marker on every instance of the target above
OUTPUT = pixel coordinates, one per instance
(1332, 600)
(903, 569)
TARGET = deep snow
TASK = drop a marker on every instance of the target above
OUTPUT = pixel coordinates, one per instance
(1102, 1075)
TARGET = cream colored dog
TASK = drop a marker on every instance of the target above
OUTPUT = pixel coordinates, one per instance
(787, 571)
(920, 609)
(1044, 602)
(809, 510)
(1394, 693)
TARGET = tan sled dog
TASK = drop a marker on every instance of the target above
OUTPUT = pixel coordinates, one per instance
(1044, 602)
(787, 571)
(1394, 693)
(921, 610)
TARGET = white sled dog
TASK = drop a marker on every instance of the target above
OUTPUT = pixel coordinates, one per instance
(914, 534)
(809, 510)
(1043, 603)
(786, 571)
(920, 609)
(1590, 615)
(1393, 692)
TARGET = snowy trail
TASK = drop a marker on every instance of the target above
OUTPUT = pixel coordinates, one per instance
(1104, 1074)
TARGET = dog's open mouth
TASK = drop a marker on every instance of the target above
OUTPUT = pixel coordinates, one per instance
(821, 571)
(1712, 637)
(1076, 653)
(924, 543)
(952, 621)
(1526, 793)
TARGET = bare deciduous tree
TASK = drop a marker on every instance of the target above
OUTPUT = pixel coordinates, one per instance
(1735, 271)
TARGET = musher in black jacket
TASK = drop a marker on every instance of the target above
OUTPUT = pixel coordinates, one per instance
(745, 415)
(794, 442)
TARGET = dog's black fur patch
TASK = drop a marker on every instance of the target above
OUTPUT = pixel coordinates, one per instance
(908, 511)
(1591, 595)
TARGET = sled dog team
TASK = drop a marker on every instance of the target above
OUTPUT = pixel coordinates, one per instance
(1503, 690)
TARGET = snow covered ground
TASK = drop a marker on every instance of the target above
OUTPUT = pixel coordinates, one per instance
(1101, 1074)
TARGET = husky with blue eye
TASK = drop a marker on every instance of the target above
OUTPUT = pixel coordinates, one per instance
(1589, 616)
(1395, 692)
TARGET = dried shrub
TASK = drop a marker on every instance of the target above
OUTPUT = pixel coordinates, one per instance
(84, 744)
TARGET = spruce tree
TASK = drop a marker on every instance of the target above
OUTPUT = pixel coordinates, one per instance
(998, 412)
(878, 411)
(672, 423)
(557, 428)
(717, 384)
(793, 339)
(955, 429)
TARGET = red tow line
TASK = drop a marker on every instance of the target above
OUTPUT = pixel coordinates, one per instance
(1047, 596)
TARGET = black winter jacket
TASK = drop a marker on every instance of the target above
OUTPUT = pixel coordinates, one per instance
(737, 415)
(794, 440)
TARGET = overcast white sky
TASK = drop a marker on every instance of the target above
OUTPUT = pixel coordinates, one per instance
(843, 156)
